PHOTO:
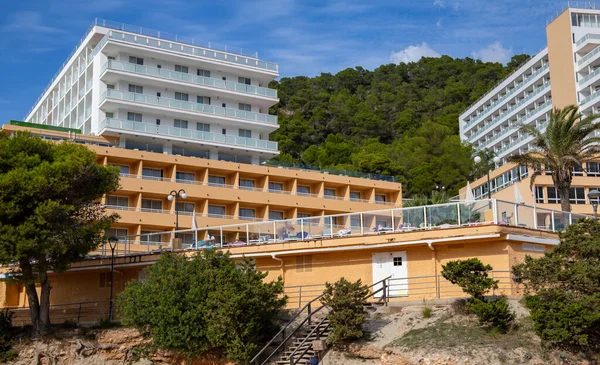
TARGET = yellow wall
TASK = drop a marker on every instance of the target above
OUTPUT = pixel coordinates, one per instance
(560, 55)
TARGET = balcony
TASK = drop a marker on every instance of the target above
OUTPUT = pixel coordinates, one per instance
(588, 57)
(189, 134)
(509, 111)
(189, 78)
(190, 107)
(587, 43)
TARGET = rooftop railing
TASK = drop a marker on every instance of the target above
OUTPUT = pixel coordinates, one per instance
(189, 106)
(332, 171)
(380, 222)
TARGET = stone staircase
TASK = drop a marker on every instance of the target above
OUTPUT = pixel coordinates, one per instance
(301, 348)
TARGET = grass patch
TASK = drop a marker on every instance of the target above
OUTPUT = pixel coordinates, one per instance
(427, 309)
(444, 334)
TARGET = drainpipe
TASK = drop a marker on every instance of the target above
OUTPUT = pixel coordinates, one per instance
(435, 270)
(430, 245)
(282, 267)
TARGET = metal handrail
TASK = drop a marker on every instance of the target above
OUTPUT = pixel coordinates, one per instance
(282, 331)
(319, 334)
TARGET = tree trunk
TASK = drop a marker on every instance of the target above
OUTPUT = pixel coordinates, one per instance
(34, 307)
(565, 205)
(44, 323)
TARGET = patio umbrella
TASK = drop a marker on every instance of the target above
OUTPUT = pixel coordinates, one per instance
(517, 195)
(469, 197)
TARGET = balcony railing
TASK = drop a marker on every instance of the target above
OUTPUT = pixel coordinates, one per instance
(588, 56)
(586, 37)
(590, 76)
(589, 98)
(510, 110)
(189, 78)
(189, 106)
(505, 96)
(189, 134)
(380, 222)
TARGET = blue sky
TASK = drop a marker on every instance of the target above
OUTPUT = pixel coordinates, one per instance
(305, 37)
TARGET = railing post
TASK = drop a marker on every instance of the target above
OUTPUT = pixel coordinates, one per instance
(493, 290)
(552, 222)
(309, 314)
(300, 298)
(425, 217)
(393, 225)
(458, 220)
(495, 210)
(516, 214)
(438, 286)
(362, 225)
(302, 228)
(385, 286)
(535, 225)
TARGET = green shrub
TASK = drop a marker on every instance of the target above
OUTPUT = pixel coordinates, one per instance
(471, 275)
(564, 289)
(204, 303)
(493, 313)
(346, 302)
(6, 333)
(427, 309)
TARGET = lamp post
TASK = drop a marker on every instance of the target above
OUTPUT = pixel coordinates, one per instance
(593, 195)
(487, 155)
(112, 242)
(174, 194)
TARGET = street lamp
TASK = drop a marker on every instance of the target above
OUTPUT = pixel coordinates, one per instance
(174, 194)
(112, 242)
(488, 156)
(593, 195)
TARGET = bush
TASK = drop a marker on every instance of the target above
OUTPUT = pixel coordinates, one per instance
(6, 333)
(461, 307)
(471, 275)
(427, 309)
(204, 303)
(493, 313)
(346, 302)
(564, 289)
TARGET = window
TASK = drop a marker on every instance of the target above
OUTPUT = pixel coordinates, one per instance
(244, 80)
(158, 122)
(203, 100)
(185, 176)
(216, 180)
(593, 169)
(577, 195)
(120, 233)
(397, 261)
(245, 133)
(180, 123)
(355, 195)
(303, 190)
(151, 204)
(152, 174)
(553, 196)
(111, 58)
(577, 170)
(182, 69)
(275, 186)
(275, 215)
(134, 117)
(355, 221)
(223, 131)
(148, 237)
(304, 263)
(246, 107)
(539, 194)
(330, 221)
(203, 73)
(109, 115)
(380, 198)
(123, 169)
(117, 201)
(204, 127)
(216, 211)
(136, 60)
(304, 215)
(105, 279)
(110, 87)
(247, 213)
(136, 89)
(246, 184)
(523, 173)
(329, 193)
(185, 207)
(187, 238)
(181, 96)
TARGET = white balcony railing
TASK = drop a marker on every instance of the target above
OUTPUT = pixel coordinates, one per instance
(189, 106)
(200, 136)
(189, 78)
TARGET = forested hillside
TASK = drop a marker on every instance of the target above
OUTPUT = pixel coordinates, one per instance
(399, 120)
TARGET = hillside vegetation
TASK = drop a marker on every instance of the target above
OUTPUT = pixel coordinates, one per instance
(399, 120)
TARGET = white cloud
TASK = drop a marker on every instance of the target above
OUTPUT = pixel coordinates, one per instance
(493, 53)
(413, 53)
(439, 3)
(438, 24)
(28, 21)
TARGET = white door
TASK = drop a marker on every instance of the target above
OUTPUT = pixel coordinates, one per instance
(394, 266)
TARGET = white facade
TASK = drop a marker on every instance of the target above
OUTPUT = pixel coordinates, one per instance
(525, 96)
(164, 93)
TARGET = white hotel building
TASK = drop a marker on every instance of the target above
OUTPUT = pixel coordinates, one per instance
(566, 72)
(164, 93)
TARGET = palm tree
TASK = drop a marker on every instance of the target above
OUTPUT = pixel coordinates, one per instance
(568, 141)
